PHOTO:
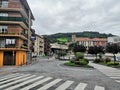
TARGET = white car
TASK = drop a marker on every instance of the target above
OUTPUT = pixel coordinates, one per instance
(118, 57)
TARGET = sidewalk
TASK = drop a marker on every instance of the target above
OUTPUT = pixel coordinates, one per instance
(113, 73)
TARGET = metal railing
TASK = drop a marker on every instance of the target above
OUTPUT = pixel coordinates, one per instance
(19, 19)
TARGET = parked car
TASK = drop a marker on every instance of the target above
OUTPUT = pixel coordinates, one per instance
(118, 57)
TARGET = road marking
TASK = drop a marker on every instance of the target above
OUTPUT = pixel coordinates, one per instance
(14, 78)
(14, 82)
(115, 77)
(23, 83)
(37, 83)
(81, 86)
(65, 85)
(50, 84)
(117, 81)
(33, 81)
(9, 77)
(99, 88)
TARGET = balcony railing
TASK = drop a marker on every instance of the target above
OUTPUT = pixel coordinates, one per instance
(13, 47)
(18, 19)
(12, 34)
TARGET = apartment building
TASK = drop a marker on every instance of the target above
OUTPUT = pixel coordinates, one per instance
(47, 47)
(87, 42)
(15, 32)
(39, 46)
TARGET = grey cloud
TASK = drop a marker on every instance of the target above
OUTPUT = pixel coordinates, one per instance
(53, 16)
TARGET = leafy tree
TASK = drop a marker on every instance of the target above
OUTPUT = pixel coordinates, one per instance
(95, 50)
(71, 46)
(79, 48)
(114, 49)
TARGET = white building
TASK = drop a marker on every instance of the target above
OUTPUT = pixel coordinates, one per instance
(39, 46)
(115, 39)
(59, 46)
(87, 42)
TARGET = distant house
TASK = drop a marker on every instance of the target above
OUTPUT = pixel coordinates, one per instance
(55, 47)
(115, 39)
(87, 42)
(38, 46)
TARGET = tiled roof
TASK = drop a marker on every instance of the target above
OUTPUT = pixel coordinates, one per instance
(93, 39)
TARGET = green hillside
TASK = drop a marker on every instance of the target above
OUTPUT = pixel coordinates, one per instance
(53, 38)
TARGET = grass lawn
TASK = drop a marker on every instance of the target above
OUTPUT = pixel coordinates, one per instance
(76, 65)
(115, 66)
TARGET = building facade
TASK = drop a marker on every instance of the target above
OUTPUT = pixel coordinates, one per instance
(39, 46)
(15, 32)
(115, 39)
(87, 42)
(47, 47)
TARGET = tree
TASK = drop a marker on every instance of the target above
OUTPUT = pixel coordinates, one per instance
(95, 50)
(79, 48)
(71, 45)
(114, 49)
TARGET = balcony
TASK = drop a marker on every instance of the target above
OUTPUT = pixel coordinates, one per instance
(13, 47)
(14, 20)
(22, 11)
(17, 35)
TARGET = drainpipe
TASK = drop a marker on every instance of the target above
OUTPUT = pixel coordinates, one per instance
(29, 27)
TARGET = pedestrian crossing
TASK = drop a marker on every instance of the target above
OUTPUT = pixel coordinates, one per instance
(22, 81)
(113, 73)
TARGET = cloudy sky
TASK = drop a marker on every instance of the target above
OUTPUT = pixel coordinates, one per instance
(55, 16)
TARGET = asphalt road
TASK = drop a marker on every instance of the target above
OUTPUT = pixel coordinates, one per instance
(55, 68)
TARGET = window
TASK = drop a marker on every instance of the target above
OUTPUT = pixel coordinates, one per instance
(3, 29)
(4, 4)
(4, 14)
(2, 43)
(10, 41)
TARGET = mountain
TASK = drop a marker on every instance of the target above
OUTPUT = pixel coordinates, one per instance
(53, 37)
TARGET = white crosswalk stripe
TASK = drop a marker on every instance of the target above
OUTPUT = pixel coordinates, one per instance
(117, 81)
(50, 84)
(99, 88)
(65, 85)
(5, 85)
(13, 79)
(37, 83)
(29, 81)
(81, 86)
(21, 84)
(8, 77)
